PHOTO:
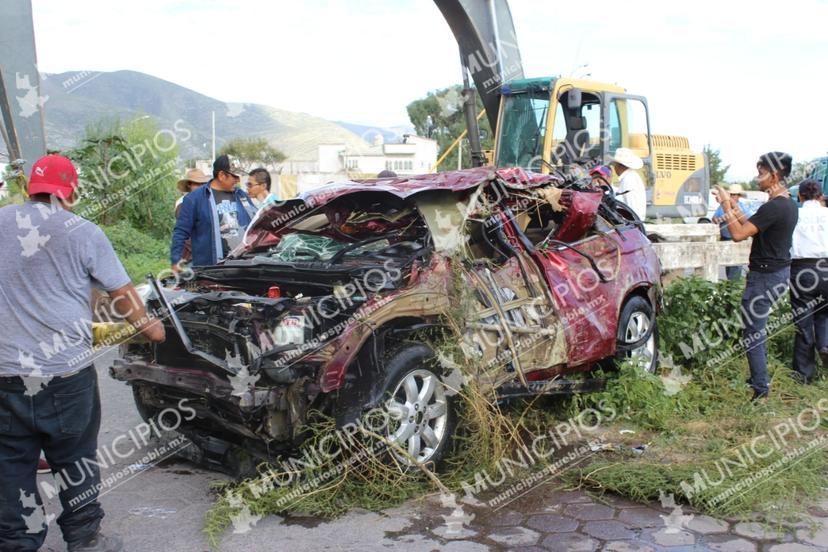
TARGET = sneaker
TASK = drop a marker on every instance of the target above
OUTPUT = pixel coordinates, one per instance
(99, 543)
(43, 466)
(759, 397)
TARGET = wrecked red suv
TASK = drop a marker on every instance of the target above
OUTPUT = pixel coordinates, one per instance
(325, 305)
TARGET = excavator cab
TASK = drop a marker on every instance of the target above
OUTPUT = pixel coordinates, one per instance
(546, 123)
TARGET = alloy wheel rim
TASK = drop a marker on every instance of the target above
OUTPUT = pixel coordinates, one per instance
(418, 409)
(637, 327)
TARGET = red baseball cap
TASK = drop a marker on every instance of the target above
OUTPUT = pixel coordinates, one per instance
(53, 174)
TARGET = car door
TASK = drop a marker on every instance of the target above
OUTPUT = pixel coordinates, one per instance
(513, 327)
(582, 264)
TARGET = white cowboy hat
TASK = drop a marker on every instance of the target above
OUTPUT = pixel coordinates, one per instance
(626, 157)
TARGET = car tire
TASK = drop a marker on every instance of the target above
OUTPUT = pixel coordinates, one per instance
(634, 322)
(419, 406)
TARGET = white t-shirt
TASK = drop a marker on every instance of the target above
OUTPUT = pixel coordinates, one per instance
(810, 237)
(636, 196)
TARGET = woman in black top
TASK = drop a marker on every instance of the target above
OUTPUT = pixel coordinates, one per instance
(770, 258)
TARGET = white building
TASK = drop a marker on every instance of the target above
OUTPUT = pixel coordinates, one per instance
(414, 155)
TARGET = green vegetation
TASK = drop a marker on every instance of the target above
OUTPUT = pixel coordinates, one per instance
(707, 440)
(140, 252)
(717, 170)
(128, 174)
(127, 187)
(252, 152)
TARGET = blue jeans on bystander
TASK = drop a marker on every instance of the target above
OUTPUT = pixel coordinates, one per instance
(762, 290)
(62, 419)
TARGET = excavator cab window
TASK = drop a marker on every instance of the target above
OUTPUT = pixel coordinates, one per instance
(580, 125)
(523, 123)
(627, 126)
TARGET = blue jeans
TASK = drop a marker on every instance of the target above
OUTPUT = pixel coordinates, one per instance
(762, 290)
(62, 420)
(809, 302)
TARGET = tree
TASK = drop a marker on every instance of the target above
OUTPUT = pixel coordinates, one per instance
(801, 170)
(439, 116)
(252, 152)
(714, 161)
(128, 173)
(14, 182)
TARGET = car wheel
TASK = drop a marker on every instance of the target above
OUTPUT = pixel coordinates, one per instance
(419, 405)
(634, 323)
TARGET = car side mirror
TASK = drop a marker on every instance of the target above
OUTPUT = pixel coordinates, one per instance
(573, 99)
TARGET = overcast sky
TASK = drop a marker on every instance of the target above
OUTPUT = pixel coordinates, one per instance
(734, 75)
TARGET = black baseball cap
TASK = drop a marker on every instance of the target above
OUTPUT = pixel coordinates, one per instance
(227, 164)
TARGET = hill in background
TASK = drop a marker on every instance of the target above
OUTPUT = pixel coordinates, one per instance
(80, 98)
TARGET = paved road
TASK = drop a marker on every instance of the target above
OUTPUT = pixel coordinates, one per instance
(161, 508)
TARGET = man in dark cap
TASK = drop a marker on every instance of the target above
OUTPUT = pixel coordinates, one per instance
(213, 217)
(771, 228)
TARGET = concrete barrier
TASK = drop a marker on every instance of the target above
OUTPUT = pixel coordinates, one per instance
(695, 246)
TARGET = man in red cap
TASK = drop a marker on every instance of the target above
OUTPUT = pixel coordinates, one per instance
(49, 397)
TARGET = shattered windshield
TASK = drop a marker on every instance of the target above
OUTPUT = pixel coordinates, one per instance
(309, 247)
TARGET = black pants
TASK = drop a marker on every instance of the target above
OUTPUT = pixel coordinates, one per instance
(62, 419)
(809, 302)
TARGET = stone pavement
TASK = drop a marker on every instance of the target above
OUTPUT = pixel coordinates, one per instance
(162, 508)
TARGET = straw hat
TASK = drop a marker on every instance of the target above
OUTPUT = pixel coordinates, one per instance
(192, 175)
(626, 157)
(736, 189)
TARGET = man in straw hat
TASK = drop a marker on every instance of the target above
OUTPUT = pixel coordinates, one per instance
(630, 186)
(193, 178)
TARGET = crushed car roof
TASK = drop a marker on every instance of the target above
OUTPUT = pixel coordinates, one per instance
(405, 186)
(276, 215)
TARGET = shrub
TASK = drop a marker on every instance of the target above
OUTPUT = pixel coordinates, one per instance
(139, 252)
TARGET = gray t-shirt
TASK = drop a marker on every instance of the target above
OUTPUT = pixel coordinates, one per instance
(51, 259)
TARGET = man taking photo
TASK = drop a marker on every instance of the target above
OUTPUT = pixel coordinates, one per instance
(769, 265)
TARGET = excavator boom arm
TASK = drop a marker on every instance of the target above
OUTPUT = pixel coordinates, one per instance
(485, 33)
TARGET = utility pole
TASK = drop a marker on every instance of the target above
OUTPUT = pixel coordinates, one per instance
(214, 137)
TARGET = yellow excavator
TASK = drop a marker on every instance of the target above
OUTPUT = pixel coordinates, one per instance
(544, 123)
